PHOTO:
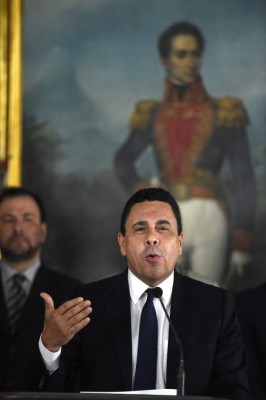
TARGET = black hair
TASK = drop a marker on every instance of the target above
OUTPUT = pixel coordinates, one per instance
(151, 194)
(12, 192)
(179, 28)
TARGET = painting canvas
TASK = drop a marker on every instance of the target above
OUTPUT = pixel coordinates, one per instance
(86, 64)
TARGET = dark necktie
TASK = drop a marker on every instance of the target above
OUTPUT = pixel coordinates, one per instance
(15, 300)
(146, 367)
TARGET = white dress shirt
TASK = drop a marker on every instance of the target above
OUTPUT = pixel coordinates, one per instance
(138, 297)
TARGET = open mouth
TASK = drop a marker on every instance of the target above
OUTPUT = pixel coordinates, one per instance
(152, 258)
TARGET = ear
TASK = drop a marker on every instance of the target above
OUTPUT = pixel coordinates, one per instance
(180, 241)
(121, 242)
(44, 231)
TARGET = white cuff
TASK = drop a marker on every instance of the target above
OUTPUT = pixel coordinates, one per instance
(50, 359)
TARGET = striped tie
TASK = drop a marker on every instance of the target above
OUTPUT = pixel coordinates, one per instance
(15, 300)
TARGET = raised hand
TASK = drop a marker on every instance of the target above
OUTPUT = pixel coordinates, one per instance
(63, 323)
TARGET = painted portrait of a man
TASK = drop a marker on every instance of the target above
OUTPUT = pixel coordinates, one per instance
(193, 134)
(120, 95)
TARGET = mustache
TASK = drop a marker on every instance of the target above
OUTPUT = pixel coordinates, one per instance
(17, 234)
(152, 250)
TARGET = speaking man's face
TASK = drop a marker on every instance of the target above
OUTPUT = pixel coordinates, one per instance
(151, 242)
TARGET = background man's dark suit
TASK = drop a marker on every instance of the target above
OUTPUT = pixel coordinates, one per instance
(204, 318)
(251, 305)
(15, 351)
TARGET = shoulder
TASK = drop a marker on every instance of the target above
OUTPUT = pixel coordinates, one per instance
(230, 112)
(208, 306)
(142, 112)
(204, 294)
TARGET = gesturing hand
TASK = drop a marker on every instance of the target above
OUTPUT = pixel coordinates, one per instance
(61, 324)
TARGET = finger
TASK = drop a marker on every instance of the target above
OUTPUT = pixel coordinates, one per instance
(78, 317)
(78, 326)
(77, 310)
(71, 304)
(48, 302)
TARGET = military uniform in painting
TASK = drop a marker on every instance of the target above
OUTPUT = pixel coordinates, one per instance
(193, 135)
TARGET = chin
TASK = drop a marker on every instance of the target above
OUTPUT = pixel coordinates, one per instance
(188, 80)
(155, 277)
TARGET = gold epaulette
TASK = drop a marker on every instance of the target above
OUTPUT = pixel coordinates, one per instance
(141, 116)
(230, 112)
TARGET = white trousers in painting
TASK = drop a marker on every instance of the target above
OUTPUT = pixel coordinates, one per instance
(206, 236)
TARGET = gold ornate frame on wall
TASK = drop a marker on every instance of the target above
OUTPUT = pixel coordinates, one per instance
(10, 92)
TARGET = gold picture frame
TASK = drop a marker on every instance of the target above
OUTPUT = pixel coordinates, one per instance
(10, 92)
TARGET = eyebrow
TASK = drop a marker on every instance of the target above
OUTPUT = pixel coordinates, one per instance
(25, 214)
(159, 222)
(163, 221)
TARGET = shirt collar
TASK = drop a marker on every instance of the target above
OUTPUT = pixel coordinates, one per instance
(137, 288)
(29, 273)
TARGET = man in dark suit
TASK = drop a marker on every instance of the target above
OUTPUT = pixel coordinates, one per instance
(22, 232)
(251, 307)
(92, 345)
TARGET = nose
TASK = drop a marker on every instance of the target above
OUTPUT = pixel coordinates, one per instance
(18, 225)
(191, 60)
(152, 239)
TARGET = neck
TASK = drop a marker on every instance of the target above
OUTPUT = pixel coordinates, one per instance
(22, 265)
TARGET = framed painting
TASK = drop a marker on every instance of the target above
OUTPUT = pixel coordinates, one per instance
(87, 64)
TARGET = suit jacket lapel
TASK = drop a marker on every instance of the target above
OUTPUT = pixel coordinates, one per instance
(182, 314)
(4, 323)
(34, 304)
(118, 314)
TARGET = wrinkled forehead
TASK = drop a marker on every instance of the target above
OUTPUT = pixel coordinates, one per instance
(151, 212)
